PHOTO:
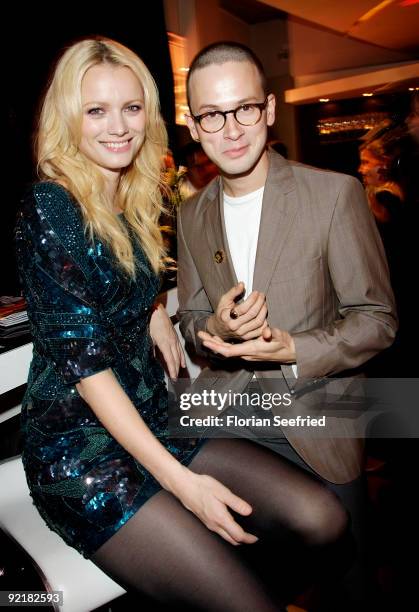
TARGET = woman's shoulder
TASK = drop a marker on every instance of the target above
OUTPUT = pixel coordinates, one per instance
(49, 195)
(51, 203)
(51, 221)
(49, 210)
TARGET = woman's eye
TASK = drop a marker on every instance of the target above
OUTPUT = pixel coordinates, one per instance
(134, 108)
(95, 111)
(246, 107)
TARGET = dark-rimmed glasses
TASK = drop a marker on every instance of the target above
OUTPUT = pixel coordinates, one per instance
(245, 114)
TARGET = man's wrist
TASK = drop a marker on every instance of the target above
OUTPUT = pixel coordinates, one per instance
(292, 349)
(210, 326)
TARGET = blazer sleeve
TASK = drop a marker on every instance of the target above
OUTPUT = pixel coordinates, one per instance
(359, 273)
(67, 325)
(194, 306)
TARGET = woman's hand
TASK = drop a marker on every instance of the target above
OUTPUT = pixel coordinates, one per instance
(209, 500)
(203, 495)
(165, 338)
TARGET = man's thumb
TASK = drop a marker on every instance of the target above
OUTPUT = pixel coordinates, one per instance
(236, 290)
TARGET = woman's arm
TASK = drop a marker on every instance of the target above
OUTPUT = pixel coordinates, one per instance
(207, 498)
(65, 307)
(165, 338)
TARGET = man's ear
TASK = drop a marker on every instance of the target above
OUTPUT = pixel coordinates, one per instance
(270, 109)
(192, 127)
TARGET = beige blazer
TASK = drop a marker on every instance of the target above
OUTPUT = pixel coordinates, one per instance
(321, 264)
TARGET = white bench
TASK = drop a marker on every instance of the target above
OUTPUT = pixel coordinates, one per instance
(85, 587)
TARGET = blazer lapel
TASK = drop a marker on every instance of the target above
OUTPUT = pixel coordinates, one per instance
(278, 214)
(217, 238)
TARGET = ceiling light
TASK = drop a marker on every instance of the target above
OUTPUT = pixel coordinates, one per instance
(367, 94)
(376, 9)
(324, 99)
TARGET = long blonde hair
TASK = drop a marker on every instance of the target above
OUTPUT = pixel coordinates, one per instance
(59, 158)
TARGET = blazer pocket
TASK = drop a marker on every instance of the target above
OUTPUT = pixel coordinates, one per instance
(296, 270)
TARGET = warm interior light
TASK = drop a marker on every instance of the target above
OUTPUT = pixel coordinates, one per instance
(324, 99)
(367, 94)
(376, 9)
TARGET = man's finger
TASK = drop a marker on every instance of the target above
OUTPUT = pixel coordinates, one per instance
(234, 314)
(206, 336)
(254, 334)
(229, 350)
(258, 322)
(267, 334)
(233, 292)
(249, 311)
(248, 303)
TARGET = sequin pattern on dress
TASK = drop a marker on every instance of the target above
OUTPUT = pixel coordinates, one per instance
(85, 316)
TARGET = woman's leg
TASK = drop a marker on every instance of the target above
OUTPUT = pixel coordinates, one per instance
(166, 552)
(282, 495)
(348, 564)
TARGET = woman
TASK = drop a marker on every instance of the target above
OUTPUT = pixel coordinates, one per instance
(153, 512)
(385, 195)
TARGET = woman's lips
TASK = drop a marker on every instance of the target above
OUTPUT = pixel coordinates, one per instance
(118, 147)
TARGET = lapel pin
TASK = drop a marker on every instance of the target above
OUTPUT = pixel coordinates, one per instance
(219, 256)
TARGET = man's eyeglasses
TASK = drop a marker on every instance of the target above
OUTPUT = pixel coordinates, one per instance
(245, 114)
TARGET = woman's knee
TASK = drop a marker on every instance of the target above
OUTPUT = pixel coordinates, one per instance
(324, 519)
(317, 516)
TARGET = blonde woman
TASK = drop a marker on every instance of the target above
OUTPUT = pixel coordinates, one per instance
(147, 509)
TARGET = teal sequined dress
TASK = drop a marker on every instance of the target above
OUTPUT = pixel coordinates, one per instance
(85, 317)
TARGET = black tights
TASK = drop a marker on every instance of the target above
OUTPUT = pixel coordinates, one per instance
(166, 552)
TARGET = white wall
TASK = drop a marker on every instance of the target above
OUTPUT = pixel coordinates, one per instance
(269, 40)
(202, 22)
(314, 50)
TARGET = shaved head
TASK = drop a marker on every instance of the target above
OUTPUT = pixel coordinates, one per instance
(220, 53)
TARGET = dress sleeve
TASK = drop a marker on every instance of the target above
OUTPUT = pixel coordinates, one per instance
(59, 284)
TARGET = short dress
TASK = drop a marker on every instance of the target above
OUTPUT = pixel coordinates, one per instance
(85, 317)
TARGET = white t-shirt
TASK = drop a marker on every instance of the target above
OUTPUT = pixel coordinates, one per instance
(242, 220)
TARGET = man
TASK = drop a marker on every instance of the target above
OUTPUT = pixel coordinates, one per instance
(281, 269)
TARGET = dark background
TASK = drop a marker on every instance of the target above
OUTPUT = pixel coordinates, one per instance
(340, 152)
